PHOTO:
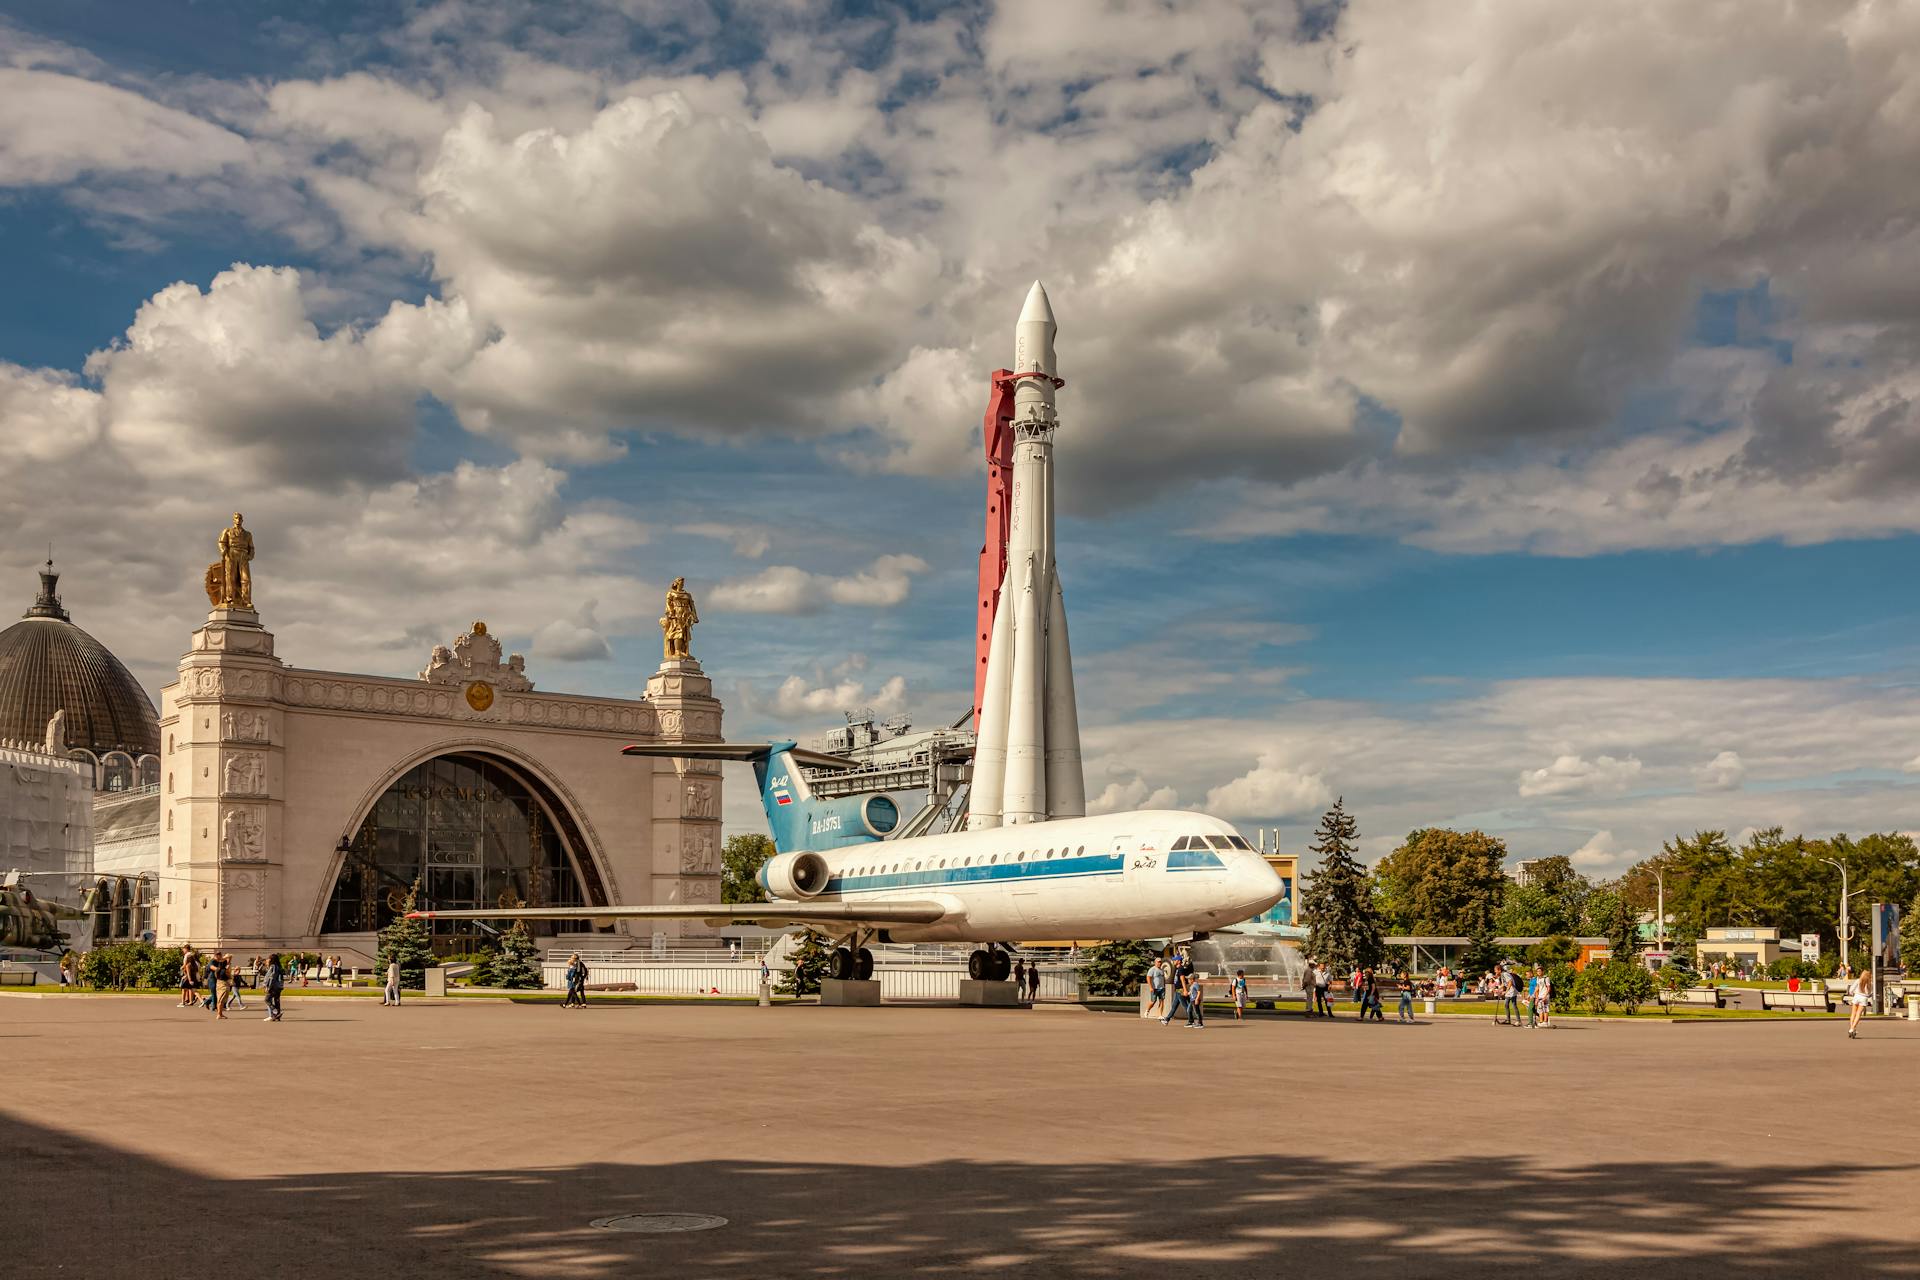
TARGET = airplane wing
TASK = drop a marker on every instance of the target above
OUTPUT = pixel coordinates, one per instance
(748, 751)
(881, 912)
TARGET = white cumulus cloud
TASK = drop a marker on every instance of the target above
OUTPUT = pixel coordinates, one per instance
(786, 589)
(1573, 775)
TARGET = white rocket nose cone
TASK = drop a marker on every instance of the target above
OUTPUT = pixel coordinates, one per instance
(1037, 307)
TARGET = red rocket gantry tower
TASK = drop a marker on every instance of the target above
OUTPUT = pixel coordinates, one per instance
(1026, 763)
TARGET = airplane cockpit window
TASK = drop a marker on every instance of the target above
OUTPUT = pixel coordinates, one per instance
(1240, 842)
(1180, 844)
(1219, 842)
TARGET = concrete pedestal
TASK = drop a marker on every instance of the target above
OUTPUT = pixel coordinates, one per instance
(850, 992)
(1001, 995)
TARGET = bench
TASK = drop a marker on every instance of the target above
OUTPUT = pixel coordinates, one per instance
(1703, 996)
(1815, 1000)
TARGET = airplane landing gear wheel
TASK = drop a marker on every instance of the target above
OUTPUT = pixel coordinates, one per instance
(863, 965)
(979, 965)
(841, 966)
(1002, 966)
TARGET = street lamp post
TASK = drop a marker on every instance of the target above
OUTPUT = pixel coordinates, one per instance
(1660, 911)
(1846, 931)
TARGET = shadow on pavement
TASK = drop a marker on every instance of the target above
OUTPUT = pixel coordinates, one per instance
(78, 1208)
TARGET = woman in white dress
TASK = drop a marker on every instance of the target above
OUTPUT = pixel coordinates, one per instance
(1859, 995)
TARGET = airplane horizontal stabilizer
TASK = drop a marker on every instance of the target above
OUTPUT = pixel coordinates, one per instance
(747, 751)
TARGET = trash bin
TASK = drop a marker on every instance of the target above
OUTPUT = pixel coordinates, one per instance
(1429, 1003)
(1913, 1006)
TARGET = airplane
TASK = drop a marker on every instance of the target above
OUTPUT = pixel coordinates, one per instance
(1149, 874)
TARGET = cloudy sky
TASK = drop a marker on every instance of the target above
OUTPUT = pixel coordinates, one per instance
(1498, 415)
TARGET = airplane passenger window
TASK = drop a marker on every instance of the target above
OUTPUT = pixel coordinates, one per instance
(994, 858)
(1081, 851)
(918, 865)
(943, 862)
(1020, 856)
(1049, 853)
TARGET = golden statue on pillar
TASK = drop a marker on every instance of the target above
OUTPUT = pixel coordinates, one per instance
(230, 578)
(676, 625)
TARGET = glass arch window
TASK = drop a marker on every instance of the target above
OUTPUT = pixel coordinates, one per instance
(474, 832)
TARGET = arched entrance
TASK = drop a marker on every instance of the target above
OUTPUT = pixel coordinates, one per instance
(475, 831)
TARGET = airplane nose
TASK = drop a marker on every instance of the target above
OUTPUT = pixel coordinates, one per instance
(1258, 883)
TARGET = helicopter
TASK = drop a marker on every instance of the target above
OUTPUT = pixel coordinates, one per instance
(31, 922)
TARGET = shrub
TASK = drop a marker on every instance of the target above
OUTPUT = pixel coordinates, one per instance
(1564, 977)
(1627, 984)
(1116, 968)
(114, 967)
(1590, 989)
(1672, 977)
(162, 969)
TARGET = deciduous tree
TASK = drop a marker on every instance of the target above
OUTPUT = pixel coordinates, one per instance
(1443, 882)
(741, 858)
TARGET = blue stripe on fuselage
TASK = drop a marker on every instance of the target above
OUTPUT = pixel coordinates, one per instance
(1092, 864)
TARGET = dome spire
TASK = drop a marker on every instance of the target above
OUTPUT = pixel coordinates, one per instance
(47, 603)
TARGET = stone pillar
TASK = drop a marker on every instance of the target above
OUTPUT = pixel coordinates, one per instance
(222, 775)
(686, 796)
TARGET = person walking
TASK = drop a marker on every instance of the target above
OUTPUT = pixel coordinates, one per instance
(1543, 997)
(1019, 980)
(233, 986)
(218, 984)
(576, 983)
(1238, 988)
(1196, 1002)
(1033, 983)
(1405, 1012)
(392, 994)
(189, 977)
(1156, 987)
(1372, 981)
(1182, 997)
(1859, 996)
(275, 981)
(1323, 987)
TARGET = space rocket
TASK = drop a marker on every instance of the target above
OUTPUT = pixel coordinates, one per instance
(1026, 763)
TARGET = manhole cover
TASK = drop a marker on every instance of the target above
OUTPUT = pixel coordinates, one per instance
(657, 1223)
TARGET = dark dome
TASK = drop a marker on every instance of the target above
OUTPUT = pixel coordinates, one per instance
(47, 664)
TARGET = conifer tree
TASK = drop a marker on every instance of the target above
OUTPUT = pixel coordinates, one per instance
(517, 966)
(409, 942)
(809, 957)
(1343, 925)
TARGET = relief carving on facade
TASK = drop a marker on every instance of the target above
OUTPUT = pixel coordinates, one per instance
(244, 726)
(700, 891)
(240, 837)
(703, 800)
(245, 774)
(672, 721)
(698, 853)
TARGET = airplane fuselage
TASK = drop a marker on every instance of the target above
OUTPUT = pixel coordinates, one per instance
(1150, 874)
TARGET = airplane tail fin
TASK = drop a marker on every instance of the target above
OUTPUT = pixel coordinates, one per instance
(796, 818)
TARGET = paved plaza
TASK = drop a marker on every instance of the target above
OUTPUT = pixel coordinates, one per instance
(476, 1138)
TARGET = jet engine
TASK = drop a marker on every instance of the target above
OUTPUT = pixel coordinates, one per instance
(794, 875)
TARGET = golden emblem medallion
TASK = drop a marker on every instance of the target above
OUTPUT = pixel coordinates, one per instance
(479, 695)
